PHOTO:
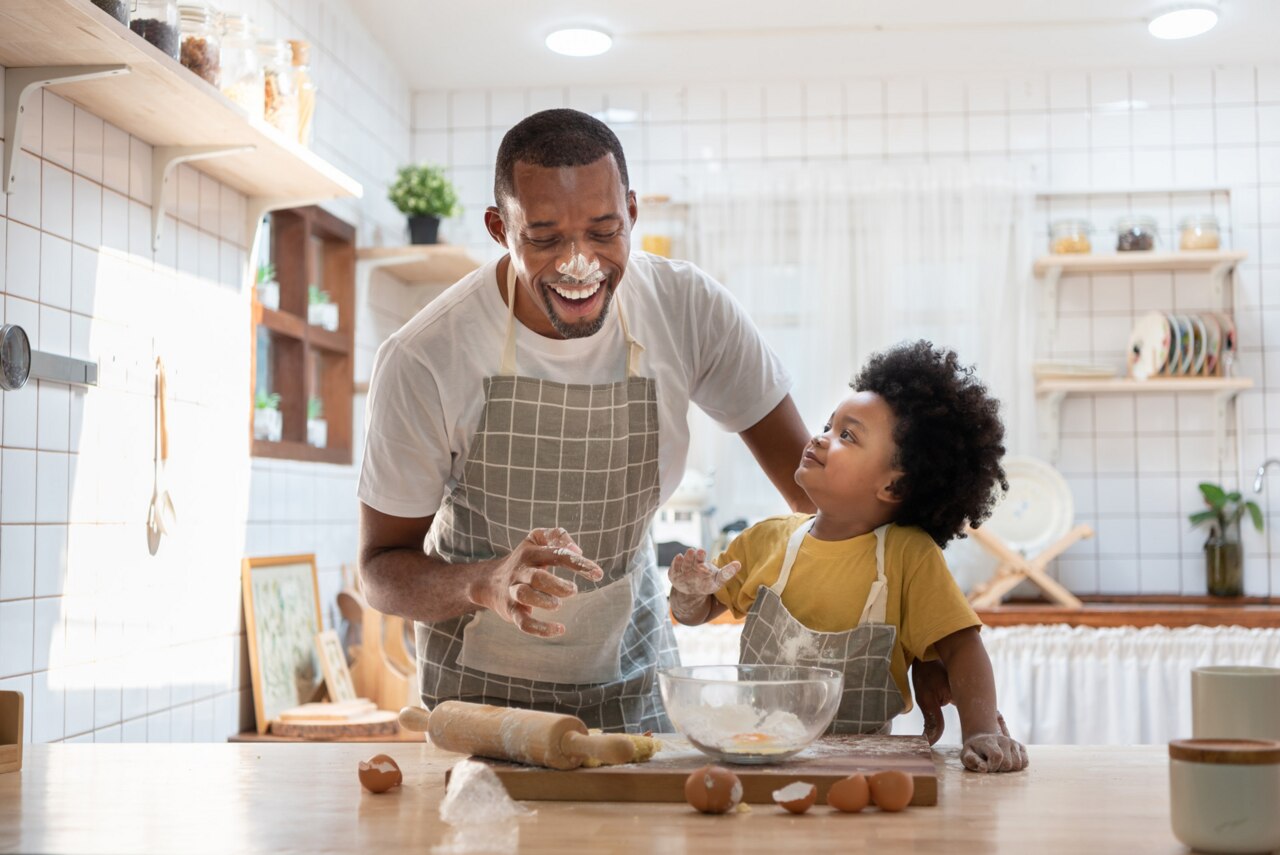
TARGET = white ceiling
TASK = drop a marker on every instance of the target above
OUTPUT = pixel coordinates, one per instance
(496, 43)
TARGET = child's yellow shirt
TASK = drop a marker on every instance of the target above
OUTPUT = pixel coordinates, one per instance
(830, 581)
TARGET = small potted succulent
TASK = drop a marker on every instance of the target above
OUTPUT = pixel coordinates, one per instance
(321, 312)
(268, 287)
(425, 196)
(317, 427)
(268, 421)
(1222, 550)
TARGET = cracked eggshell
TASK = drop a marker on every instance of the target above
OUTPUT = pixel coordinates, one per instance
(892, 790)
(713, 789)
(379, 773)
(796, 797)
(849, 795)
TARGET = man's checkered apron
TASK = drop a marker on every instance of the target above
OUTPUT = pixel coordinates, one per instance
(583, 457)
(772, 635)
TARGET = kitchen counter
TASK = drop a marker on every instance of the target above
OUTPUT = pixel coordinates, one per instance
(305, 798)
(1140, 611)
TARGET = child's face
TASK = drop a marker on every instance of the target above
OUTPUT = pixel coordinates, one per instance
(848, 468)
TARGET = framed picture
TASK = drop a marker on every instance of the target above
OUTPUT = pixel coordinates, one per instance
(333, 662)
(282, 617)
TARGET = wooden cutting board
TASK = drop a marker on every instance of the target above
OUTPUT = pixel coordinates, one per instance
(662, 778)
(378, 723)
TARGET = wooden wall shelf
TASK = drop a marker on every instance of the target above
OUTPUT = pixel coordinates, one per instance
(1141, 611)
(419, 264)
(162, 103)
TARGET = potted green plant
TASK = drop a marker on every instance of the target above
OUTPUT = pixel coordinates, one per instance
(268, 287)
(268, 421)
(425, 196)
(1222, 550)
(321, 312)
(317, 427)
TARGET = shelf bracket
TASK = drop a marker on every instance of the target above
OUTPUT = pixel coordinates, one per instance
(19, 84)
(258, 207)
(1049, 411)
(1218, 283)
(163, 160)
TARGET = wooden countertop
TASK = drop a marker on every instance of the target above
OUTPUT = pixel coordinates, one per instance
(1139, 611)
(305, 798)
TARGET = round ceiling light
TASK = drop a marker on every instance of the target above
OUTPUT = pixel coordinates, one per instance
(579, 42)
(1184, 21)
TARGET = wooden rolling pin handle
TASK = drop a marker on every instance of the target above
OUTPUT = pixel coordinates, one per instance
(611, 748)
(415, 718)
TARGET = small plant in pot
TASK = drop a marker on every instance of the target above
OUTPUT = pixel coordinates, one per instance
(268, 287)
(268, 421)
(1222, 558)
(321, 312)
(317, 427)
(425, 196)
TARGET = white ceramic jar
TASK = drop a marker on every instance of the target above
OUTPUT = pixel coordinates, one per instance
(1224, 794)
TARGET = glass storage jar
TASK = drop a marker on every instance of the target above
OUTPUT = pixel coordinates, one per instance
(241, 70)
(157, 22)
(118, 9)
(1199, 232)
(280, 91)
(201, 40)
(1135, 233)
(1070, 236)
(306, 89)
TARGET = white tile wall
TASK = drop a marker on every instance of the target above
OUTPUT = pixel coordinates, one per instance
(1133, 463)
(107, 642)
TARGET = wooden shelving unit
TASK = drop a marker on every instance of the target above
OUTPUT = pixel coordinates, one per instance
(83, 54)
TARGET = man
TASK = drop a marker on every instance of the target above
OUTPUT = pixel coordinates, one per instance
(528, 423)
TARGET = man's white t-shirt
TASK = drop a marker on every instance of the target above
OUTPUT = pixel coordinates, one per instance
(427, 392)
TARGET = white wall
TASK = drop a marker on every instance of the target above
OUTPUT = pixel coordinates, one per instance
(1133, 462)
(107, 642)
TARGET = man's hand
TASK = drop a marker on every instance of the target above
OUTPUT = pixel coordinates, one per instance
(994, 752)
(521, 582)
(933, 692)
(691, 574)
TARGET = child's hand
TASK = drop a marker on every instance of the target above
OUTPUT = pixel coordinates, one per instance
(691, 574)
(994, 752)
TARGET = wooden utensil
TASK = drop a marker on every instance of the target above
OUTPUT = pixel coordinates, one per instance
(523, 736)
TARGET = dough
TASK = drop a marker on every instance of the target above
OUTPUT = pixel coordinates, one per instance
(646, 747)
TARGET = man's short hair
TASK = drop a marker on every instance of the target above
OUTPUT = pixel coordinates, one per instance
(551, 139)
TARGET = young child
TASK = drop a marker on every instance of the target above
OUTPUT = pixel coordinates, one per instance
(862, 587)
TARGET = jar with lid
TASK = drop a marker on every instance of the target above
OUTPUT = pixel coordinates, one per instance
(118, 9)
(1199, 232)
(1223, 794)
(1135, 233)
(201, 39)
(1070, 236)
(280, 91)
(241, 70)
(306, 89)
(157, 22)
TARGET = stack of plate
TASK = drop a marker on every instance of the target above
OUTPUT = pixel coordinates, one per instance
(1196, 344)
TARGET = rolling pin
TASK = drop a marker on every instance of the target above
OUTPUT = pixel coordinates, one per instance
(523, 736)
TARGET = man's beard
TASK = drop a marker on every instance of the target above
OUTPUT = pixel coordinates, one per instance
(581, 329)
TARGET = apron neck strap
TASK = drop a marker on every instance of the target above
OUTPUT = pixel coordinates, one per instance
(634, 348)
(877, 598)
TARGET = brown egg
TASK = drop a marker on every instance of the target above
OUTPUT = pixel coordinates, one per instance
(850, 794)
(796, 797)
(892, 790)
(713, 789)
(379, 773)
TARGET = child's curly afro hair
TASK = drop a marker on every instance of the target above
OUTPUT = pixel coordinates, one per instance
(949, 436)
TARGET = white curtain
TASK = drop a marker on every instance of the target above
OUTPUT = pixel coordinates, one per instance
(1073, 685)
(834, 264)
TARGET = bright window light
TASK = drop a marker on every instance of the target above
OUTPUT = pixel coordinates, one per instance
(1183, 22)
(579, 42)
